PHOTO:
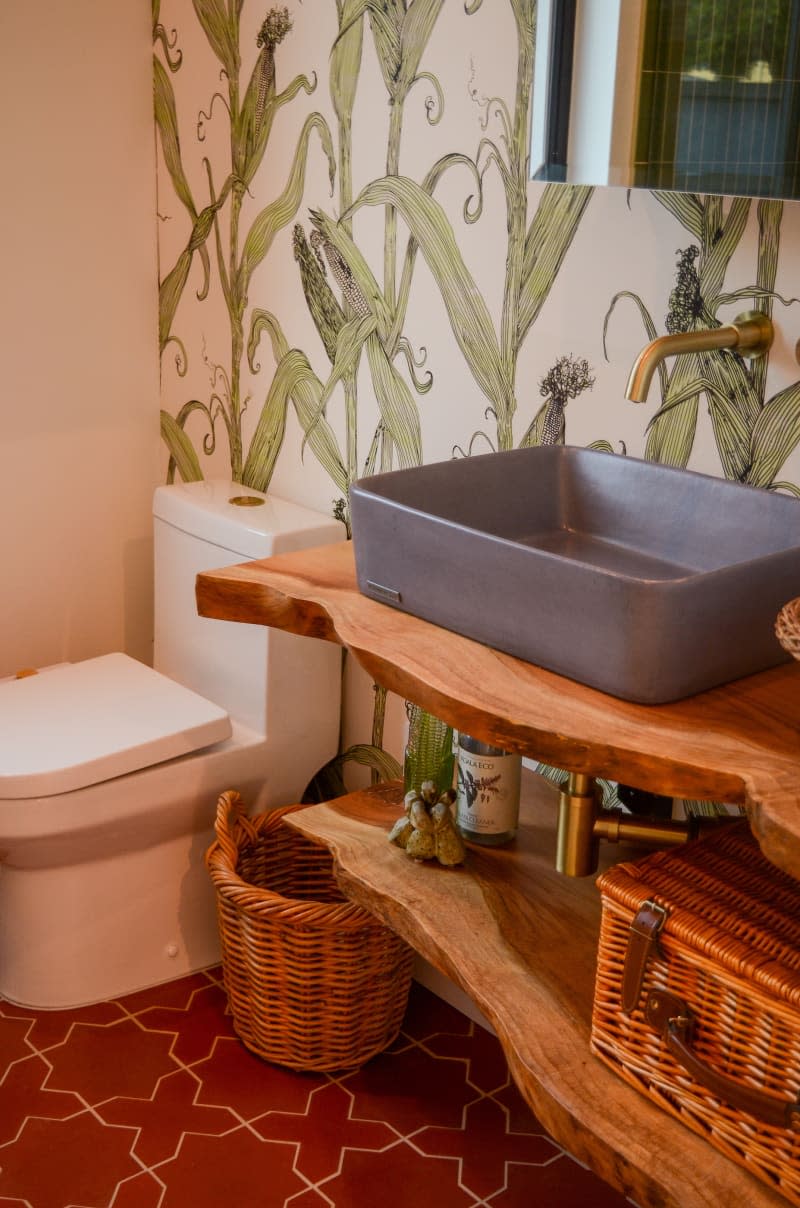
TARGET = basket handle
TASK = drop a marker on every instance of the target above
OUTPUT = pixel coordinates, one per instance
(670, 1016)
(231, 814)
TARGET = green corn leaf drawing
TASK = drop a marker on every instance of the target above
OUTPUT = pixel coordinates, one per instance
(160, 35)
(399, 413)
(169, 295)
(686, 207)
(776, 433)
(306, 392)
(721, 238)
(525, 13)
(167, 122)
(167, 125)
(349, 342)
(283, 209)
(397, 407)
(351, 338)
(386, 19)
(415, 32)
(173, 284)
(548, 239)
(672, 430)
(763, 298)
(770, 214)
(345, 68)
(649, 327)
(728, 409)
(734, 406)
(181, 451)
(221, 31)
(267, 439)
(469, 316)
(473, 208)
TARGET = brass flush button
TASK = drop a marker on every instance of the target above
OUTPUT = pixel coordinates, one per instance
(246, 501)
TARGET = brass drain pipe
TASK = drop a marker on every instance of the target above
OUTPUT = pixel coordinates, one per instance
(582, 824)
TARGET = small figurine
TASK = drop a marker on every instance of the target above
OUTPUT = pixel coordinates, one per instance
(427, 829)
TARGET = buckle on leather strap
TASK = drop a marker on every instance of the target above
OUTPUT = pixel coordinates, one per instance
(642, 939)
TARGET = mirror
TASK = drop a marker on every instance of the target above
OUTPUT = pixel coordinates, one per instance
(691, 95)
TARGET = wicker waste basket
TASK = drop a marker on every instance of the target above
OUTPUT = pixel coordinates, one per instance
(314, 982)
(697, 998)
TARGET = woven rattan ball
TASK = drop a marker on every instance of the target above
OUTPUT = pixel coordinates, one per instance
(787, 627)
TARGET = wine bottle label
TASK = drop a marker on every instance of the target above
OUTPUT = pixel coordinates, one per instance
(488, 792)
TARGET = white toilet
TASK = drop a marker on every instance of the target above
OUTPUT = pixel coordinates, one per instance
(110, 770)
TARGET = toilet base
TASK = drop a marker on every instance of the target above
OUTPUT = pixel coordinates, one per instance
(89, 932)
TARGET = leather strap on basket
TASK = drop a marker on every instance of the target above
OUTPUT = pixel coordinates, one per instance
(642, 940)
(670, 1016)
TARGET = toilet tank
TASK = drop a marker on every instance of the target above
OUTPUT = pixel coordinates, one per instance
(278, 684)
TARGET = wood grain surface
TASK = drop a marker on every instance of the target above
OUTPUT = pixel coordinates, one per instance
(737, 743)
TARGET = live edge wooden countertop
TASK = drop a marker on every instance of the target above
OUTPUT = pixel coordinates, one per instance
(518, 937)
(738, 743)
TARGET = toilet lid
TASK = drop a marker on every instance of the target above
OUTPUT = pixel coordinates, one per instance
(77, 724)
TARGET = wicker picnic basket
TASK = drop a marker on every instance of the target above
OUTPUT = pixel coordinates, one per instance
(314, 982)
(697, 998)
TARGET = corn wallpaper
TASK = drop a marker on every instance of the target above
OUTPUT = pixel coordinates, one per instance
(357, 275)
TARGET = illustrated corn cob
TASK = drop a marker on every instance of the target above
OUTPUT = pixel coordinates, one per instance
(567, 379)
(274, 29)
(326, 312)
(351, 291)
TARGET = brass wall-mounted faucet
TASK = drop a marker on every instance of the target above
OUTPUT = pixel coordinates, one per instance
(750, 334)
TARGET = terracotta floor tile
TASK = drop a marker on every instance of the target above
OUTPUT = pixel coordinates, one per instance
(58, 1162)
(171, 1086)
(51, 1027)
(142, 1191)
(397, 1178)
(562, 1184)
(22, 1095)
(170, 1113)
(324, 1131)
(176, 994)
(236, 1170)
(234, 1077)
(13, 1045)
(484, 1146)
(197, 1025)
(410, 1089)
(487, 1066)
(309, 1199)
(102, 1062)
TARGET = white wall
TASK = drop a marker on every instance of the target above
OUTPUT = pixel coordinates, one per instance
(79, 430)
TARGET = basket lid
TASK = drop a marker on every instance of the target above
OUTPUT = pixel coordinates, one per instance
(77, 724)
(724, 899)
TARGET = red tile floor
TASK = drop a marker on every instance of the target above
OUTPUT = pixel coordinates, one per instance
(150, 1101)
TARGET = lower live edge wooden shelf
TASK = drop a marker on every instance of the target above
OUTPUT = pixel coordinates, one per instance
(518, 937)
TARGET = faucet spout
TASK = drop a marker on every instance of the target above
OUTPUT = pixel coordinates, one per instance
(750, 334)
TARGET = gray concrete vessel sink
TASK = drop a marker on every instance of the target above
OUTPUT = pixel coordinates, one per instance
(647, 582)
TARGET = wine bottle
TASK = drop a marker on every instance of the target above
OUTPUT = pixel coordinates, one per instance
(487, 804)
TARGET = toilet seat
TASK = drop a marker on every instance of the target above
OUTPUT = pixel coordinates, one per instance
(78, 724)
